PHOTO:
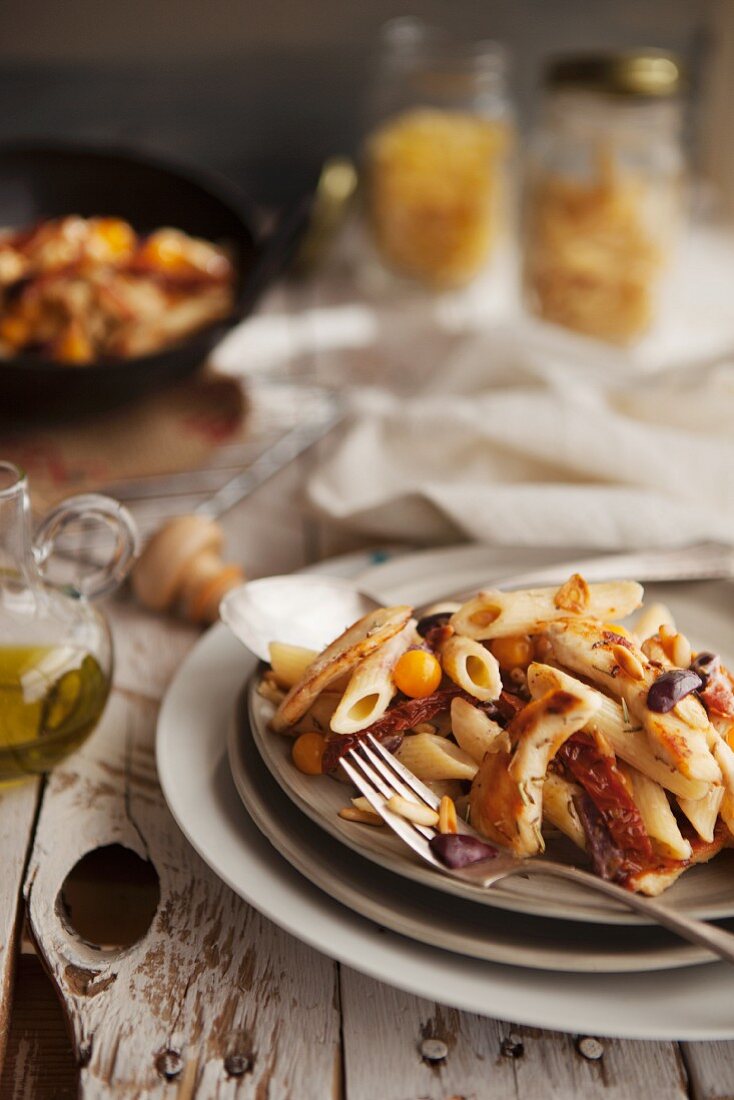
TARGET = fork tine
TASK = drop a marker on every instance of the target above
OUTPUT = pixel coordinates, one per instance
(394, 780)
(411, 780)
(398, 824)
(386, 789)
(407, 776)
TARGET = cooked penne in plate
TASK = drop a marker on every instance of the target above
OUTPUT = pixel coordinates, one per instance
(472, 667)
(618, 738)
(495, 614)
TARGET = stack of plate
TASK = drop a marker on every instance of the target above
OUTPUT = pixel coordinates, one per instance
(537, 951)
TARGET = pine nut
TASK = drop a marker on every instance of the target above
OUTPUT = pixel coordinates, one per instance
(574, 595)
(681, 651)
(362, 803)
(447, 815)
(364, 817)
(412, 811)
(424, 727)
(628, 662)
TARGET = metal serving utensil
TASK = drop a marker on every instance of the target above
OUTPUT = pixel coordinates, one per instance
(310, 611)
(379, 776)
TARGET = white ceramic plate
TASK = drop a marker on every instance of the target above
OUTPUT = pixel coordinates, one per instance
(703, 611)
(694, 1003)
(425, 914)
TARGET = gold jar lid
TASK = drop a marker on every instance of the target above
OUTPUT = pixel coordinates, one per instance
(645, 73)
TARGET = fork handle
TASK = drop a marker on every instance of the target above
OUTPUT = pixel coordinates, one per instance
(717, 940)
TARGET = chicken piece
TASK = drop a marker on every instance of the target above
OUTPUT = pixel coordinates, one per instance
(507, 793)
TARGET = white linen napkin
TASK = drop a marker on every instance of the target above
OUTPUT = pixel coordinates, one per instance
(474, 420)
(543, 461)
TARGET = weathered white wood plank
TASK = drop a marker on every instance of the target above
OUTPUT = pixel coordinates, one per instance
(148, 648)
(17, 813)
(553, 1066)
(710, 1070)
(210, 981)
(384, 1032)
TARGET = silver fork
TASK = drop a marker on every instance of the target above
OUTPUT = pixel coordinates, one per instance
(379, 776)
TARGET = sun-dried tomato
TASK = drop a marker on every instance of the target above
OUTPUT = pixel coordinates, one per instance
(601, 779)
(408, 713)
(402, 716)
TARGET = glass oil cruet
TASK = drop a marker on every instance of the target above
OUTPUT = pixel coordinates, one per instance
(55, 646)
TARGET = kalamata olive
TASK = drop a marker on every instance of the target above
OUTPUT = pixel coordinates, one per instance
(430, 622)
(457, 849)
(705, 665)
(671, 687)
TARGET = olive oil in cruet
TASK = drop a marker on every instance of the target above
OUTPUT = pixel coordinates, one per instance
(55, 647)
(51, 698)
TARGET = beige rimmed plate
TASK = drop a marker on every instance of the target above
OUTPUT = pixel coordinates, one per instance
(705, 611)
(426, 915)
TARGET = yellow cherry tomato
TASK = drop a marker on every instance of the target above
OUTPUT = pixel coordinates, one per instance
(308, 752)
(515, 651)
(417, 674)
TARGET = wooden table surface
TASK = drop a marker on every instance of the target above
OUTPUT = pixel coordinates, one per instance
(213, 1000)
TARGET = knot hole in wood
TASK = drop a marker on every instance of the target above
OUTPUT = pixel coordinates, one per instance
(109, 898)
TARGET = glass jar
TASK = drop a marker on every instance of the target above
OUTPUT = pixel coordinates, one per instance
(604, 194)
(436, 154)
(55, 647)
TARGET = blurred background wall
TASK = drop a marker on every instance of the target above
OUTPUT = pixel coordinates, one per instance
(264, 89)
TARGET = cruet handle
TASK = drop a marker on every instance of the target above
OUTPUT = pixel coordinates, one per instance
(105, 510)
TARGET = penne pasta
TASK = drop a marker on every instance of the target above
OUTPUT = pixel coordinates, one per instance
(430, 757)
(651, 618)
(560, 809)
(475, 732)
(627, 738)
(703, 812)
(318, 716)
(445, 788)
(472, 667)
(495, 614)
(342, 656)
(290, 662)
(371, 686)
(681, 736)
(657, 816)
(520, 673)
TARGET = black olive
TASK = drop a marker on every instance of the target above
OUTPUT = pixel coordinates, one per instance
(705, 665)
(671, 687)
(430, 622)
(457, 849)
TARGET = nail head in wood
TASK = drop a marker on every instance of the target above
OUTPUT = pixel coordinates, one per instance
(589, 1048)
(512, 1047)
(236, 1065)
(168, 1063)
(434, 1050)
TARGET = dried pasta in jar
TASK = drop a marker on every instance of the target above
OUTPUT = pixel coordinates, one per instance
(603, 204)
(592, 262)
(434, 184)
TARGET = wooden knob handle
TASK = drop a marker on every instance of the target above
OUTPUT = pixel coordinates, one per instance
(182, 567)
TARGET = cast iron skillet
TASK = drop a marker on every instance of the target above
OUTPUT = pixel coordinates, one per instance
(44, 182)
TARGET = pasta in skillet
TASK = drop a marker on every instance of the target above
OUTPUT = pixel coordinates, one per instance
(533, 714)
